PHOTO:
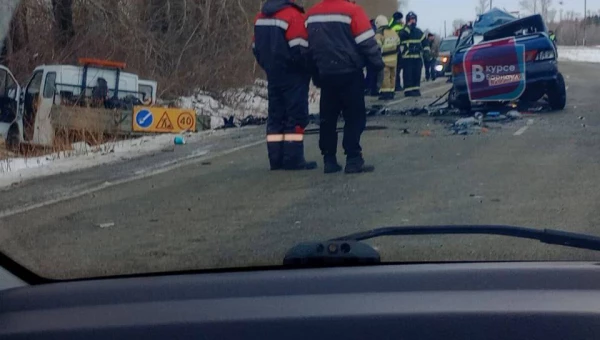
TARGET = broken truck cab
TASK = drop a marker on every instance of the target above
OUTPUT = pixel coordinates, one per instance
(505, 59)
(29, 115)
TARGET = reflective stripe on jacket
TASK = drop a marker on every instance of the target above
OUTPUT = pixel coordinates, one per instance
(280, 42)
(388, 40)
(413, 42)
(395, 26)
(341, 38)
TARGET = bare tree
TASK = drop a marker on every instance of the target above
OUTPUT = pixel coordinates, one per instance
(545, 8)
(551, 16)
(482, 7)
(7, 7)
(63, 17)
(529, 5)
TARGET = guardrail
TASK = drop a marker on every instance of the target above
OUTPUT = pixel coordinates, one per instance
(579, 53)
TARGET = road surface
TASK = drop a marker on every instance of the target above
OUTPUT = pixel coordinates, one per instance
(225, 209)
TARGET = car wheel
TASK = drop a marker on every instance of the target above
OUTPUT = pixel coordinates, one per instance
(557, 93)
(12, 139)
(460, 102)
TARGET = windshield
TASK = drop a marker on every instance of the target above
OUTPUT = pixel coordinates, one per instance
(448, 45)
(160, 136)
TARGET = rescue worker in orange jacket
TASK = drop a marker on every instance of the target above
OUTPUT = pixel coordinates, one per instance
(342, 44)
(281, 49)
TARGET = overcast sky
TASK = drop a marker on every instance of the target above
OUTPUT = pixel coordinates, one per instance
(432, 13)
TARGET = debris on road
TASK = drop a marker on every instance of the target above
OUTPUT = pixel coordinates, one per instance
(478, 122)
(105, 225)
(179, 140)
(514, 114)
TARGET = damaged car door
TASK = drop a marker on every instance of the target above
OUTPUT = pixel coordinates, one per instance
(10, 92)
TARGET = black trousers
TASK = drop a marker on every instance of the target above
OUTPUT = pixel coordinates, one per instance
(430, 69)
(371, 81)
(412, 74)
(288, 116)
(342, 94)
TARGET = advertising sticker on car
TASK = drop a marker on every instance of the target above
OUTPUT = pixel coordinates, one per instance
(495, 70)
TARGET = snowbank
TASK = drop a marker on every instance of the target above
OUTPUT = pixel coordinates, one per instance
(579, 53)
(81, 157)
(238, 103)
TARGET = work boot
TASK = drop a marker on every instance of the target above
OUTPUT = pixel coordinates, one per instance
(331, 165)
(409, 93)
(387, 96)
(356, 165)
(304, 165)
(417, 93)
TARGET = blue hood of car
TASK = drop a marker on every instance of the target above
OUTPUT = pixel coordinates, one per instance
(491, 20)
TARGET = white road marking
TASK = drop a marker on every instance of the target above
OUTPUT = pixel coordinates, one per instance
(445, 87)
(524, 128)
(105, 185)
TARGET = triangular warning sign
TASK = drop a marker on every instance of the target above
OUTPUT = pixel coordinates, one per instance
(164, 123)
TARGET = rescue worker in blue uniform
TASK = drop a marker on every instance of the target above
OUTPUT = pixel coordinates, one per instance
(413, 41)
(397, 26)
(281, 48)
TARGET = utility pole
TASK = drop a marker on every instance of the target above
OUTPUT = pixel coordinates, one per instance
(491, 1)
(445, 34)
(584, 20)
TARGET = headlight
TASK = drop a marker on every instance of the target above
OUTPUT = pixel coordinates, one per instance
(545, 55)
(444, 59)
(439, 68)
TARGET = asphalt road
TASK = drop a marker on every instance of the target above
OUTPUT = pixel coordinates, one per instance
(228, 210)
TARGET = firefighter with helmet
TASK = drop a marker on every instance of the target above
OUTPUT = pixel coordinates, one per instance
(413, 42)
(389, 43)
(396, 24)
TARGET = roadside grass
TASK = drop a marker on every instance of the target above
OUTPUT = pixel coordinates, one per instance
(74, 135)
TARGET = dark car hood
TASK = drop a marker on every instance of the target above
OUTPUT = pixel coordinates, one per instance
(273, 6)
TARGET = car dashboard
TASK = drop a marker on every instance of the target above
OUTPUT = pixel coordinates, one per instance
(410, 301)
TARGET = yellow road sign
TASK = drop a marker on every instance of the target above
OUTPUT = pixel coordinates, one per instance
(160, 119)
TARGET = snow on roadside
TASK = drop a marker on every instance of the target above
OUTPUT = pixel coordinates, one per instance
(238, 103)
(579, 53)
(83, 156)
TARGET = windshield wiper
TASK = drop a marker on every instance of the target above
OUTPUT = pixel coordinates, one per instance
(348, 250)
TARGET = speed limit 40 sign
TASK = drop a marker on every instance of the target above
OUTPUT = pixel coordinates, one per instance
(160, 119)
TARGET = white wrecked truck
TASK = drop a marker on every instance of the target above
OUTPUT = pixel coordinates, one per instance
(95, 97)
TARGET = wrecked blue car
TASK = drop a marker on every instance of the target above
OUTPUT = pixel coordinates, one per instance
(503, 59)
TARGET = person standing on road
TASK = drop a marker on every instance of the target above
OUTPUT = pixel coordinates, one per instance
(397, 26)
(429, 58)
(413, 40)
(389, 41)
(342, 43)
(280, 46)
(552, 36)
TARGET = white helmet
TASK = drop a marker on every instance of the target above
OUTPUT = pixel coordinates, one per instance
(381, 21)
